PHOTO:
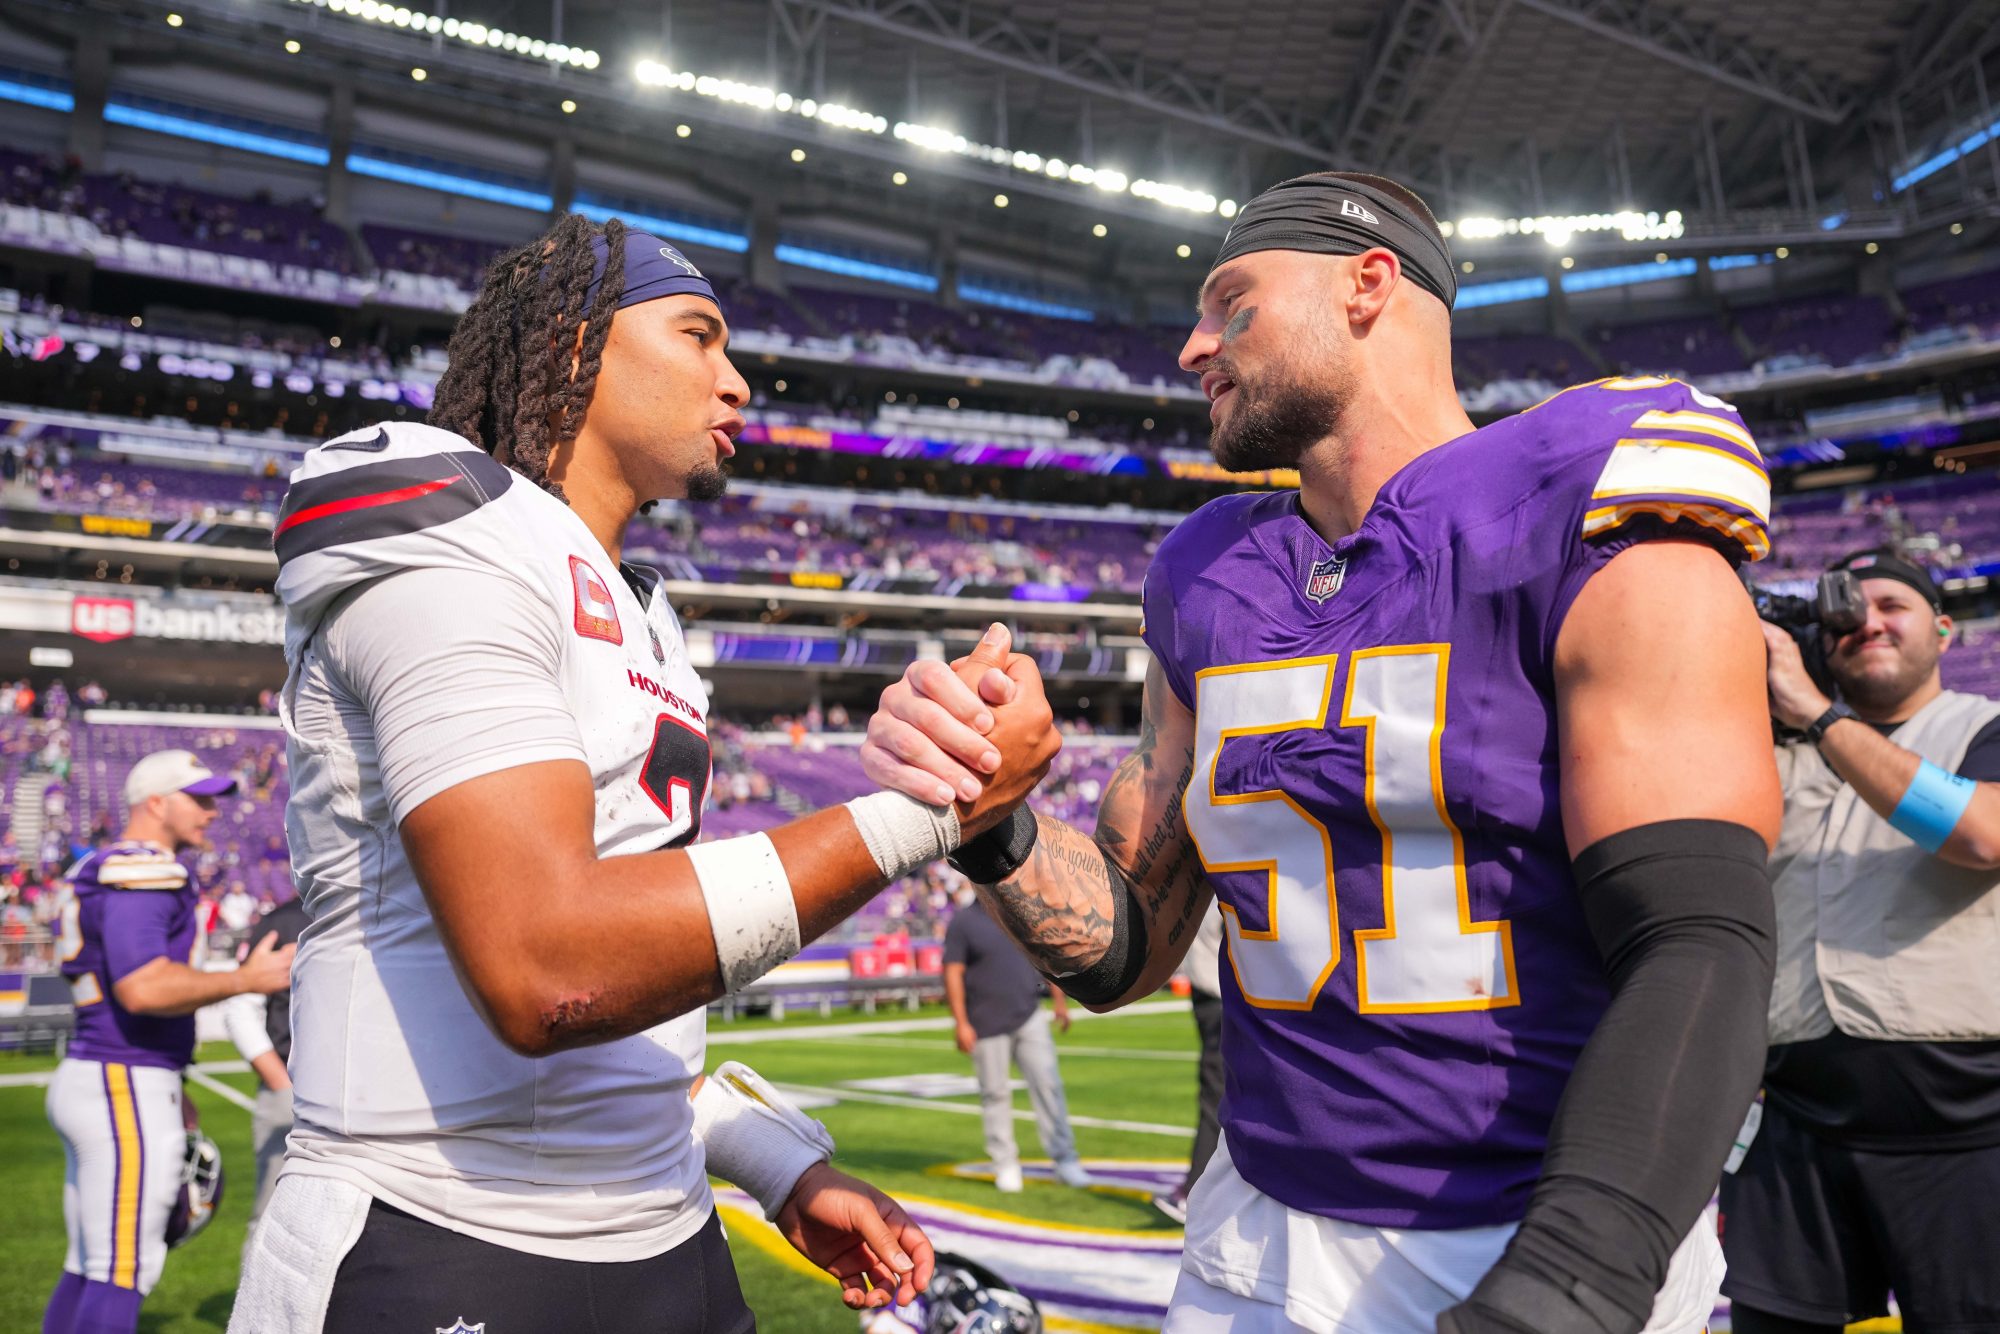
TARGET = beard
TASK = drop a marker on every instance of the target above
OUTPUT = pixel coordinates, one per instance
(1273, 426)
(1882, 687)
(708, 482)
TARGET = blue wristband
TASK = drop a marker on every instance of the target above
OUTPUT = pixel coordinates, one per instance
(1931, 806)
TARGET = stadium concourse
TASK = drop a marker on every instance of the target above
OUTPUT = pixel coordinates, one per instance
(956, 247)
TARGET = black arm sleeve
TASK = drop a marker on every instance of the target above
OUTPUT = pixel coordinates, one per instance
(1682, 912)
(1123, 963)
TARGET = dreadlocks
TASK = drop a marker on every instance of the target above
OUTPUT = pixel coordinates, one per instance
(508, 387)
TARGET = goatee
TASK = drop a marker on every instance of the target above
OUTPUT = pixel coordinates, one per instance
(708, 482)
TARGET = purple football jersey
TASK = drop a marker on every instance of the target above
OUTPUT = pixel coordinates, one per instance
(1375, 791)
(133, 903)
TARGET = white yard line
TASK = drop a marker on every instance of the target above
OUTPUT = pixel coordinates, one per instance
(721, 1036)
(40, 1078)
(220, 1089)
(964, 1109)
(1062, 1049)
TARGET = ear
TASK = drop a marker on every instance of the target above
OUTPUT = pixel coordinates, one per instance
(1944, 627)
(1376, 274)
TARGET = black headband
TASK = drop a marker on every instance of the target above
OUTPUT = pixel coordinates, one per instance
(1331, 215)
(1888, 565)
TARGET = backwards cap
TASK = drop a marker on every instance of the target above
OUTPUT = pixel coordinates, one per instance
(1888, 565)
(1329, 213)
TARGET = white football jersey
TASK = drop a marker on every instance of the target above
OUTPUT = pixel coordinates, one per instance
(449, 619)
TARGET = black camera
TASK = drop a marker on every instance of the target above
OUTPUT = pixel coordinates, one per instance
(1836, 608)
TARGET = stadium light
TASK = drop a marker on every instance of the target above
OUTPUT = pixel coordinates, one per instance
(1558, 231)
(469, 33)
(292, 47)
(650, 73)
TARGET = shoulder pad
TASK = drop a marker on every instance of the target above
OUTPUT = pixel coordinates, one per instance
(389, 483)
(1668, 453)
(128, 867)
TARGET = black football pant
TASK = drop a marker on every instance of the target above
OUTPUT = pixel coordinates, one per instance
(1208, 1128)
(406, 1276)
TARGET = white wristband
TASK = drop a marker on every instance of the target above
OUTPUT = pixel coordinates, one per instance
(750, 906)
(902, 833)
(753, 1137)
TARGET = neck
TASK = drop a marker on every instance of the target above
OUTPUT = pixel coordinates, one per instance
(1904, 709)
(1374, 438)
(600, 496)
(144, 830)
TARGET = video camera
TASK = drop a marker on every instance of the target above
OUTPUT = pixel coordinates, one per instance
(1836, 608)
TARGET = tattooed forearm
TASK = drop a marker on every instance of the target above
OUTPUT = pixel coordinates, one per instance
(1059, 905)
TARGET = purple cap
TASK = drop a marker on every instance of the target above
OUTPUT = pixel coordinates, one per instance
(167, 771)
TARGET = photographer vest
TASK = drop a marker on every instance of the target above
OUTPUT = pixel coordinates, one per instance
(1876, 937)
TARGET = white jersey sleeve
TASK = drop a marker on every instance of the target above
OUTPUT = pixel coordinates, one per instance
(460, 673)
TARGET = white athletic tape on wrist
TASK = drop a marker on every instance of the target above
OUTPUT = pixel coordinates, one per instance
(902, 833)
(750, 906)
(754, 1138)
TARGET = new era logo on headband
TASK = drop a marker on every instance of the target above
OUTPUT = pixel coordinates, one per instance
(1350, 209)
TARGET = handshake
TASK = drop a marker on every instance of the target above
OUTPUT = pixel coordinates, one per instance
(977, 734)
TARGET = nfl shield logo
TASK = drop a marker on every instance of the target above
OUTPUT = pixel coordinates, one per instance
(460, 1327)
(1326, 577)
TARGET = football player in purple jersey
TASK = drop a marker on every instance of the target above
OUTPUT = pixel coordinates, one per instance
(1469, 737)
(129, 948)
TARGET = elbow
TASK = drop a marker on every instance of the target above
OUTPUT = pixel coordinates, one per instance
(1975, 850)
(516, 1009)
(137, 998)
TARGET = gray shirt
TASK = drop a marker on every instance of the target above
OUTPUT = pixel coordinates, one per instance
(1002, 989)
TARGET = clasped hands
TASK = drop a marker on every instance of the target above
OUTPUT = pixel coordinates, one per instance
(977, 733)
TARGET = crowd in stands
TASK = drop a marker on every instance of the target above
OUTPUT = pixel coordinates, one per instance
(1820, 330)
(62, 778)
(1949, 521)
(121, 204)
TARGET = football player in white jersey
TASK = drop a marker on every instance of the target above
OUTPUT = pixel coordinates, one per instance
(499, 755)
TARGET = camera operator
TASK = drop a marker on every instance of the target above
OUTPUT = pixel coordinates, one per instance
(1877, 1161)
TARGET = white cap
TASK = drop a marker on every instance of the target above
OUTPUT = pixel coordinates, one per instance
(167, 771)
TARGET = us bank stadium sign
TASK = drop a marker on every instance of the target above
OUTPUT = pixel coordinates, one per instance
(104, 620)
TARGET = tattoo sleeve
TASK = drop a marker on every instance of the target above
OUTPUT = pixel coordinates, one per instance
(1060, 904)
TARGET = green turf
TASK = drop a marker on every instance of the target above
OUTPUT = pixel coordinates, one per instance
(894, 1147)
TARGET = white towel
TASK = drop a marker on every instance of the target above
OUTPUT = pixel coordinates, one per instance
(306, 1231)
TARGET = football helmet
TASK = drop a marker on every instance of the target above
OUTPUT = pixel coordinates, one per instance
(964, 1297)
(201, 1190)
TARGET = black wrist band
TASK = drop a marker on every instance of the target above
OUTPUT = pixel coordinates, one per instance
(1817, 727)
(1000, 851)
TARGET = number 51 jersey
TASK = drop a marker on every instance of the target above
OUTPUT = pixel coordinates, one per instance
(1409, 976)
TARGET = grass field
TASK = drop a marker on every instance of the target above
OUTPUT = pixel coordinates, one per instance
(1131, 1068)
(1137, 1069)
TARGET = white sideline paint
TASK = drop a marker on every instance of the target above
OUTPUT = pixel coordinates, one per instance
(722, 1037)
(221, 1090)
(1062, 1049)
(972, 1109)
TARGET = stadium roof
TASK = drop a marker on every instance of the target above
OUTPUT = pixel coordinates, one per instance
(1526, 104)
(1763, 124)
